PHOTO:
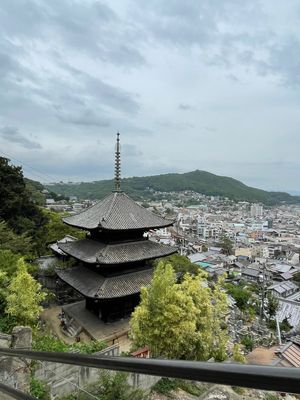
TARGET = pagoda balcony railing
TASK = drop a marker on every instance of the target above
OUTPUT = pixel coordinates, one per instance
(249, 376)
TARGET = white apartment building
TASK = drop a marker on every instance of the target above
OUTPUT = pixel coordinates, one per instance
(256, 210)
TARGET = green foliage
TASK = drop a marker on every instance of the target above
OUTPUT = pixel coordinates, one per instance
(271, 396)
(59, 264)
(24, 297)
(284, 325)
(110, 386)
(226, 244)
(248, 343)
(7, 323)
(114, 386)
(198, 181)
(56, 229)
(180, 320)
(50, 343)
(240, 295)
(38, 389)
(180, 263)
(8, 262)
(239, 390)
(91, 347)
(4, 282)
(237, 355)
(17, 208)
(272, 305)
(53, 230)
(34, 190)
(296, 277)
(9, 240)
(166, 385)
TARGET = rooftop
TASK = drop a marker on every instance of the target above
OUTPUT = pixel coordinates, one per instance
(91, 284)
(93, 251)
(117, 211)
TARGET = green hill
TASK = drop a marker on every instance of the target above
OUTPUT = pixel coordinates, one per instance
(198, 181)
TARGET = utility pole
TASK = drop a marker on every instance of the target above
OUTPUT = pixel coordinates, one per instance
(262, 280)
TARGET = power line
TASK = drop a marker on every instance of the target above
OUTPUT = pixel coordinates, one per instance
(54, 375)
(42, 175)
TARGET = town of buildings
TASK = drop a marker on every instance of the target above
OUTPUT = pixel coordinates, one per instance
(244, 242)
(265, 240)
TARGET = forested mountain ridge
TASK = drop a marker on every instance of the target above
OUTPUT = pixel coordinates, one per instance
(199, 181)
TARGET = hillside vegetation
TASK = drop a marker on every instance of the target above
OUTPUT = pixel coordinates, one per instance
(199, 181)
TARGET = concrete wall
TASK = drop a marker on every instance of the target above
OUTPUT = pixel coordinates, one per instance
(15, 372)
(63, 379)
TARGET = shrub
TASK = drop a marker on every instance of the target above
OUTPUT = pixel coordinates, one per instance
(248, 343)
(38, 389)
(51, 343)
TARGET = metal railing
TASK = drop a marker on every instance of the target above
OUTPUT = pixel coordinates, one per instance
(249, 376)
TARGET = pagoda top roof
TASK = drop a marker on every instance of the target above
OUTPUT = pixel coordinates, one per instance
(117, 211)
(93, 252)
(91, 284)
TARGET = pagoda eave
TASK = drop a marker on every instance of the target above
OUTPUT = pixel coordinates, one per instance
(95, 286)
(96, 252)
(117, 229)
(117, 212)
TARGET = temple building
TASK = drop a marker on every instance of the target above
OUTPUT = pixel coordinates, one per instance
(113, 259)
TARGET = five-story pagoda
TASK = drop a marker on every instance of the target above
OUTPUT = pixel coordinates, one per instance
(113, 258)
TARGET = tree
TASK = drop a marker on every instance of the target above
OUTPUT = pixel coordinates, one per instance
(296, 278)
(9, 240)
(4, 282)
(8, 262)
(226, 244)
(240, 295)
(180, 263)
(237, 355)
(179, 320)
(16, 207)
(272, 305)
(24, 296)
(56, 229)
(114, 386)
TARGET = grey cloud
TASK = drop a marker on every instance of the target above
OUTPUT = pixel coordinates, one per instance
(184, 107)
(210, 129)
(284, 60)
(110, 95)
(12, 134)
(95, 89)
(85, 117)
(91, 28)
(224, 35)
(232, 78)
(130, 150)
(194, 23)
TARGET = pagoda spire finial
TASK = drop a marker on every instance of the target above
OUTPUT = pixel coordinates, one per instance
(118, 165)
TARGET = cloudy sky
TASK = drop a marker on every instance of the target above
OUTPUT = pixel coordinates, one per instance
(210, 84)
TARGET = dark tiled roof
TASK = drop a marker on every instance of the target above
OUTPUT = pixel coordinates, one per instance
(92, 251)
(117, 211)
(91, 284)
(251, 272)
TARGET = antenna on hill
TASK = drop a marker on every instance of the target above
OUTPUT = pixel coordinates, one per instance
(118, 165)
